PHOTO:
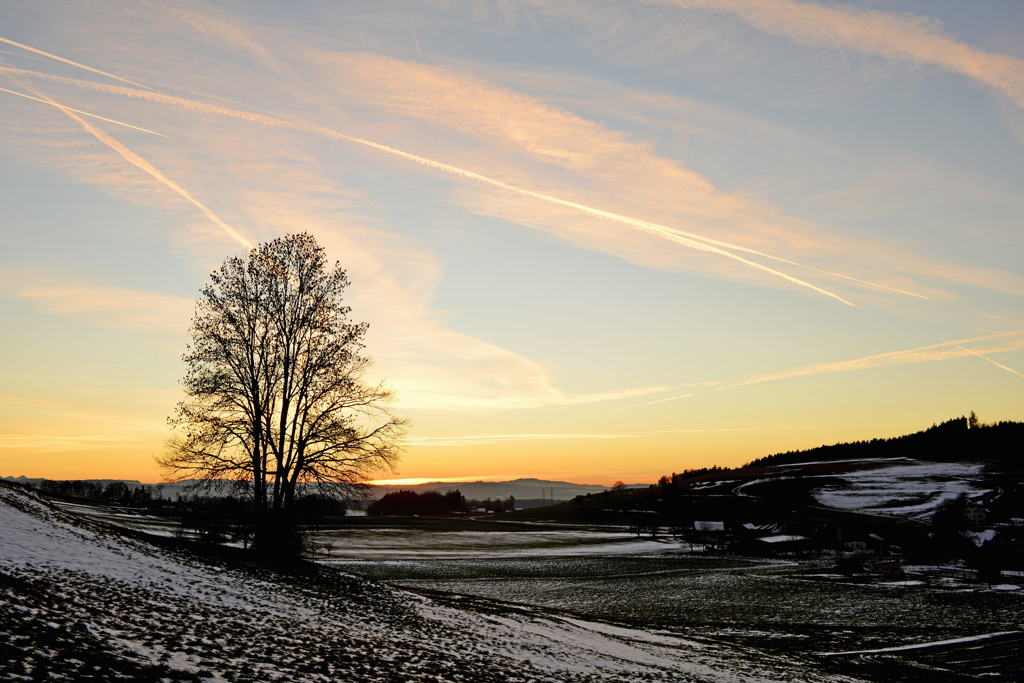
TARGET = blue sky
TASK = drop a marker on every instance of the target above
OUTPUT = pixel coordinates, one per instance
(593, 241)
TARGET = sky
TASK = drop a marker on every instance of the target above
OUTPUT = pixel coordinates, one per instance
(594, 241)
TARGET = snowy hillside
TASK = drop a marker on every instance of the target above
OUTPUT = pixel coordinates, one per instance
(84, 602)
(902, 487)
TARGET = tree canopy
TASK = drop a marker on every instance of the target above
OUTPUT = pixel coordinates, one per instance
(276, 396)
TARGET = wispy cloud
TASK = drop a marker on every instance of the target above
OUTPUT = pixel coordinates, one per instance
(606, 159)
(644, 226)
(50, 442)
(1007, 320)
(899, 36)
(651, 403)
(486, 439)
(442, 370)
(490, 439)
(556, 137)
(495, 379)
(945, 350)
(601, 167)
(216, 28)
(51, 419)
(450, 87)
(922, 354)
(112, 307)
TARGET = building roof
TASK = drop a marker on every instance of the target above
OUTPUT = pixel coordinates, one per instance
(782, 538)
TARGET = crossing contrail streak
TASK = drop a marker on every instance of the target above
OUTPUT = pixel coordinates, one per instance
(1000, 365)
(80, 66)
(800, 265)
(690, 240)
(134, 159)
(644, 226)
(79, 111)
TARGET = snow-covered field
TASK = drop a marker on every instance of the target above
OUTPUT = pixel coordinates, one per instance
(799, 606)
(392, 543)
(903, 488)
(129, 518)
(83, 602)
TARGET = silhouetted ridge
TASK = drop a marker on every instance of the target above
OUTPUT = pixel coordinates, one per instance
(962, 438)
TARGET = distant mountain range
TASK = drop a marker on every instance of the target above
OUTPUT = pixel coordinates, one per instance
(521, 489)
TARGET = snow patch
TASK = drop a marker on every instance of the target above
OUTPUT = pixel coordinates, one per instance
(903, 488)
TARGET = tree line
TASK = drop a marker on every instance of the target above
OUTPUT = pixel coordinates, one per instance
(113, 492)
(680, 477)
(961, 438)
(964, 437)
(407, 503)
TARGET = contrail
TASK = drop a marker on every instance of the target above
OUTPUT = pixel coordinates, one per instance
(1008, 320)
(644, 226)
(415, 39)
(799, 265)
(650, 403)
(79, 111)
(873, 361)
(686, 239)
(892, 357)
(1000, 365)
(889, 358)
(81, 66)
(134, 159)
(476, 440)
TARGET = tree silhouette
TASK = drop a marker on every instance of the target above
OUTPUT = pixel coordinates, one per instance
(275, 396)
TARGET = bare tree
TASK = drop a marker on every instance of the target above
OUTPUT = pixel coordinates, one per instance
(275, 391)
